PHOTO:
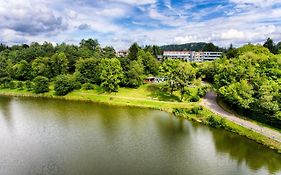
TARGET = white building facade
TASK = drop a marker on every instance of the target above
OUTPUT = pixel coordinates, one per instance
(192, 56)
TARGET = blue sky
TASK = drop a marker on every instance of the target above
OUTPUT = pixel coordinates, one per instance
(121, 22)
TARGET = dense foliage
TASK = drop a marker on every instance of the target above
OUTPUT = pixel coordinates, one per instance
(193, 47)
(250, 82)
(41, 84)
(64, 84)
(66, 65)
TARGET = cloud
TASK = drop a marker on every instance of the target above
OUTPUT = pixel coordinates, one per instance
(134, 2)
(84, 27)
(121, 22)
(29, 19)
(259, 3)
(232, 34)
(185, 39)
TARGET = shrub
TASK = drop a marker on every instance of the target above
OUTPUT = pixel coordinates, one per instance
(20, 85)
(215, 122)
(88, 86)
(41, 84)
(64, 84)
(178, 112)
(4, 82)
(195, 110)
(11, 85)
(202, 91)
(29, 85)
(194, 98)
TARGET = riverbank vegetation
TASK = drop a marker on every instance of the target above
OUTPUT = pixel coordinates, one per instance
(248, 79)
(203, 115)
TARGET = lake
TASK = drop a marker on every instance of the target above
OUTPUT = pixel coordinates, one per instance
(58, 137)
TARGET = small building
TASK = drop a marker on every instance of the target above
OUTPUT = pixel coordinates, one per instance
(122, 53)
(154, 80)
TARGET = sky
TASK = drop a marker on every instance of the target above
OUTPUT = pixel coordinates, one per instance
(119, 23)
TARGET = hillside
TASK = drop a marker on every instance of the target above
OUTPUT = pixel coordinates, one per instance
(201, 46)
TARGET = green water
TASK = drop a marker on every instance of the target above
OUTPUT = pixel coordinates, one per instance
(54, 137)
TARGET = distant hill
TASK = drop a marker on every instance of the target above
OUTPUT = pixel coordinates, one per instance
(201, 46)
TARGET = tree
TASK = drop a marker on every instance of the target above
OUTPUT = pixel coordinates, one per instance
(111, 74)
(168, 70)
(21, 71)
(90, 43)
(133, 52)
(109, 52)
(270, 45)
(231, 52)
(268, 97)
(134, 76)
(278, 46)
(3, 47)
(72, 52)
(41, 84)
(185, 74)
(64, 84)
(5, 67)
(239, 93)
(89, 70)
(41, 66)
(59, 64)
(153, 50)
(256, 49)
(149, 62)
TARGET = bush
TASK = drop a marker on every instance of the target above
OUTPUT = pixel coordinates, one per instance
(41, 84)
(202, 91)
(65, 84)
(29, 85)
(88, 86)
(4, 82)
(12, 85)
(215, 122)
(20, 85)
(194, 98)
(195, 110)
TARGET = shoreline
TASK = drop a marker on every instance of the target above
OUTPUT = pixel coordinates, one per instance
(178, 109)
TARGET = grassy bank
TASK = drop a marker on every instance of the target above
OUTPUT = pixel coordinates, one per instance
(205, 116)
(144, 96)
(150, 97)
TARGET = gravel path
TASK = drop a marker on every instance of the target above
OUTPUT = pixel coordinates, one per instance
(210, 101)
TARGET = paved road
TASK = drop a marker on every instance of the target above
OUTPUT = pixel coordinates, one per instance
(210, 101)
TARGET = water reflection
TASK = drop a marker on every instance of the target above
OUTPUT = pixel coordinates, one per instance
(256, 156)
(66, 137)
(5, 110)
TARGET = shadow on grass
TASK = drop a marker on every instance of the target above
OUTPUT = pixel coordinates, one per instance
(156, 92)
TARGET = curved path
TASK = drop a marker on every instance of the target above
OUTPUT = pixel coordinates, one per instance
(210, 101)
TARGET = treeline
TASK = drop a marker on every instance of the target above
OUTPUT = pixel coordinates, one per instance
(201, 46)
(249, 81)
(70, 66)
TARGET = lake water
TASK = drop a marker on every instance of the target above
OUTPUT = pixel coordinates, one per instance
(57, 137)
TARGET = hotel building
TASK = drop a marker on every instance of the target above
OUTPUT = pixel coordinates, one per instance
(191, 56)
